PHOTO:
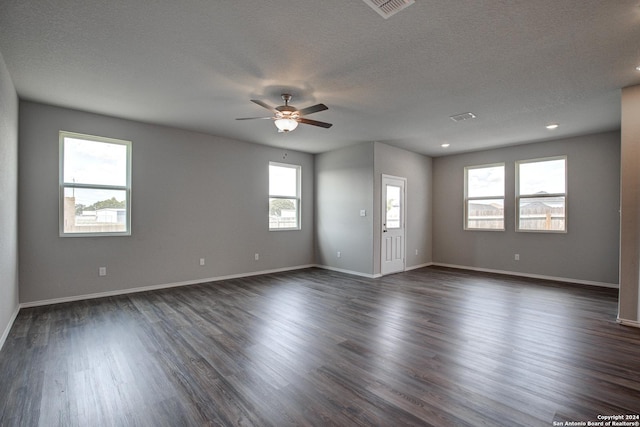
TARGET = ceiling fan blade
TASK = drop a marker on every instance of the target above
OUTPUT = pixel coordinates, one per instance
(313, 109)
(264, 105)
(254, 118)
(315, 123)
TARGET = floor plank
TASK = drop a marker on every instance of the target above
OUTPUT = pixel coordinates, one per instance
(433, 346)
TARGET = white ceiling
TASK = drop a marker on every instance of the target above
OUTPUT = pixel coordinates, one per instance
(195, 64)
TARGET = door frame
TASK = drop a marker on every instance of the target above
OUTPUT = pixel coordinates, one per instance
(383, 212)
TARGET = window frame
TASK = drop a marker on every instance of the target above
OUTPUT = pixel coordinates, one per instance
(519, 196)
(62, 185)
(467, 199)
(297, 198)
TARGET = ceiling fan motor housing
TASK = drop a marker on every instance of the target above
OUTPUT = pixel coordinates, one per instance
(287, 111)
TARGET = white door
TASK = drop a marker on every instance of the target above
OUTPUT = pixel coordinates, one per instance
(393, 224)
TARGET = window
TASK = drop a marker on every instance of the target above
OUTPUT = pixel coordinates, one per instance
(484, 197)
(541, 194)
(95, 186)
(284, 196)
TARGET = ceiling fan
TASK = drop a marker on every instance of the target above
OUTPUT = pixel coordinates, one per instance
(287, 117)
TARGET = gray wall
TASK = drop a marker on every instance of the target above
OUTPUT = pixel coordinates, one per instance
(417, 169)
(199, 196)
(349, 180)
(629, 305)
(344, 186)
(587, 252)
(8, 200)
(193, 196)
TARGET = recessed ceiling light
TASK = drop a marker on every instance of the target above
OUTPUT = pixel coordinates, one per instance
(638, 68)
(553, 126)
(444, 145)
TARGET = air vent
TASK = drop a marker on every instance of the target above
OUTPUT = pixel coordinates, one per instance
(387, 8)
(462, 117)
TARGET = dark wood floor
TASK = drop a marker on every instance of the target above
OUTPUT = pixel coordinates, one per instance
(433, 346)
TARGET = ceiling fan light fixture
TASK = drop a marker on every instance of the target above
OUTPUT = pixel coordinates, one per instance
(286, 117)
(285, 124)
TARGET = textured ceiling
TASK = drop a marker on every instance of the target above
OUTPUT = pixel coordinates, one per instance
(195, 64)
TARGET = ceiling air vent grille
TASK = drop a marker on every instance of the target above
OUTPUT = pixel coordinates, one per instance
(387, 8)
(462, 117)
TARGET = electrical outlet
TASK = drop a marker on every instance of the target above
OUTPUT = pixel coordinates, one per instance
(363, 212)
(256, 256)
(339, 254)
(516, 257)
(416, 252)
(102, 271)
(202, 261)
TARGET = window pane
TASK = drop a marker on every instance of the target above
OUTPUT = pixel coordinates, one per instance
(393, 207)
(542, 213)
(94, 210)
(283, 181)
(94, 162)
(485, 182)
(485, 214)
(283, 213)
(542, 177)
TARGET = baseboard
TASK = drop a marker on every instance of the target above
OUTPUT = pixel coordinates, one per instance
(369, 276)
(157, 287)
(532, 276)
(415, 267)
(5, 334)
(626, 322)
(279, 270)
(342, 270)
